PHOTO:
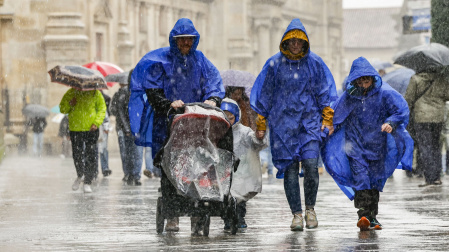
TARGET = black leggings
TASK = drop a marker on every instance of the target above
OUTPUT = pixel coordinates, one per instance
(85, 153)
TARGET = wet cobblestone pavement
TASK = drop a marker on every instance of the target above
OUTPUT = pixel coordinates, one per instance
(40, 212)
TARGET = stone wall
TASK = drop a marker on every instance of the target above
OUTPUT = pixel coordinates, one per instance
(37, 35)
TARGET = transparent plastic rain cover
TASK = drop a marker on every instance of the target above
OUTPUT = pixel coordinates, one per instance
(192, 161)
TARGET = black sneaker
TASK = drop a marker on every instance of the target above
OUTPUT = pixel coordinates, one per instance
(107, 173)
(137, 182)
(242, 223)
(374, 224)
(130, 180)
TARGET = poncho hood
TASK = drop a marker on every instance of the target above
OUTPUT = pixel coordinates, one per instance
(295, 30)
(183, 26)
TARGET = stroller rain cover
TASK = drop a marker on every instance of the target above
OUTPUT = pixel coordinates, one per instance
(192, 161)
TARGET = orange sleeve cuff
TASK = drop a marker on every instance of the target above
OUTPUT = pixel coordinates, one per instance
(328, 116)
(261, 122)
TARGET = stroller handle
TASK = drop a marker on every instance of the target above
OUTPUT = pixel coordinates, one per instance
(181, 110)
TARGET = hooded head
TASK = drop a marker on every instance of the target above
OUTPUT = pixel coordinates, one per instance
(183, 30)
(362, 71)
(232, 107)
(294, 36)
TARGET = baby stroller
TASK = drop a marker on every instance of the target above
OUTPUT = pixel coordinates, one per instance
(197, 163)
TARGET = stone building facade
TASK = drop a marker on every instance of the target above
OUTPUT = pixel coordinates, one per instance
(36, 35)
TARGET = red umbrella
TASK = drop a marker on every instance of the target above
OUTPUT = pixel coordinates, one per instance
(104, 68)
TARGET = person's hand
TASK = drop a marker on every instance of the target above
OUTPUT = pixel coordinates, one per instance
(260, 134)
(72, 102)
(386, 127)
(106, 131)
(212, 103)
(93, 127)
(128, 134)
(330, 128)
(177, 104)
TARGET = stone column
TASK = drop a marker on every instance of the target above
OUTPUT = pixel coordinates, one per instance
(124, 44)
(263, 37)
(65, 43)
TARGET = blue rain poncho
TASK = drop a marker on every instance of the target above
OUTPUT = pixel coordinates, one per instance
(292, 94)
(357, 120)
(190, 78)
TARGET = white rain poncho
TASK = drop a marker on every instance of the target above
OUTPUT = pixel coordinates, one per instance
(247, 180)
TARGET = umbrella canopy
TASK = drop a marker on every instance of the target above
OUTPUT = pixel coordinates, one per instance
(424, 57)
(121, 78)
(378, 64)
(35, 110)
(399, 79)
(235, 78)
(104, 68)
(78, 77)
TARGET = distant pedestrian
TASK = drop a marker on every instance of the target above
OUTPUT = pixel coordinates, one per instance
(64, 133)
(103, 139)
(86, 111)
(238, 94)
(426, 96)
(370, 117)
(103, 146)
(39, 124)
(128, 149)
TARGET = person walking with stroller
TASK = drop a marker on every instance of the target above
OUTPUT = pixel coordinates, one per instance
(293, 92)
(370, 119)
(170, 77)
(86, 111)
(247, 180)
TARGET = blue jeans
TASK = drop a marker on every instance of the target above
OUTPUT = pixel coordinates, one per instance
(128, 154)
(311, 181)
(148, 160)
(104, 154)
(265, 157)
(38, 143)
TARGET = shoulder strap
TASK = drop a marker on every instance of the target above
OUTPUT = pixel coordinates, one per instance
(423, 92)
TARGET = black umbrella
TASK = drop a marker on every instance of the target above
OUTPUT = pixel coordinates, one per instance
(424, 57)
(35, 110)
(121, 78)
(78, 77)
(235, 78)
(399, 79)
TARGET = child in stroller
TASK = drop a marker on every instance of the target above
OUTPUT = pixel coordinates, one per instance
(196, 163)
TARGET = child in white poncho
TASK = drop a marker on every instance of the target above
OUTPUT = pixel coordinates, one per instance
(247, 180)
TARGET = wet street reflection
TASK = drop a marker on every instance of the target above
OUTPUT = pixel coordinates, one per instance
(39, 211)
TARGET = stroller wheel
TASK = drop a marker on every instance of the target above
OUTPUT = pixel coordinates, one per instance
(159, 217)
(206, 225)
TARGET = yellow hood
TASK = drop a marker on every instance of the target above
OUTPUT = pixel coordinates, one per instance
(294, 34)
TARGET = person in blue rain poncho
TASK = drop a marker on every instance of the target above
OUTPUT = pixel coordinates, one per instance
(167, 78)
(293, 93)
(370, 140)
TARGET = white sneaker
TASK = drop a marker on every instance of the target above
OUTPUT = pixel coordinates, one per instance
(311, 220)
(76, 184)
(297, 223)
(87, 188)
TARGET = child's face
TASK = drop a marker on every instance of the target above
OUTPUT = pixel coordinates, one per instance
(364, 82)
(230, 117)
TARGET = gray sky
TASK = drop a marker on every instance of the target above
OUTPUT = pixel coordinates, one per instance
(355, 4)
